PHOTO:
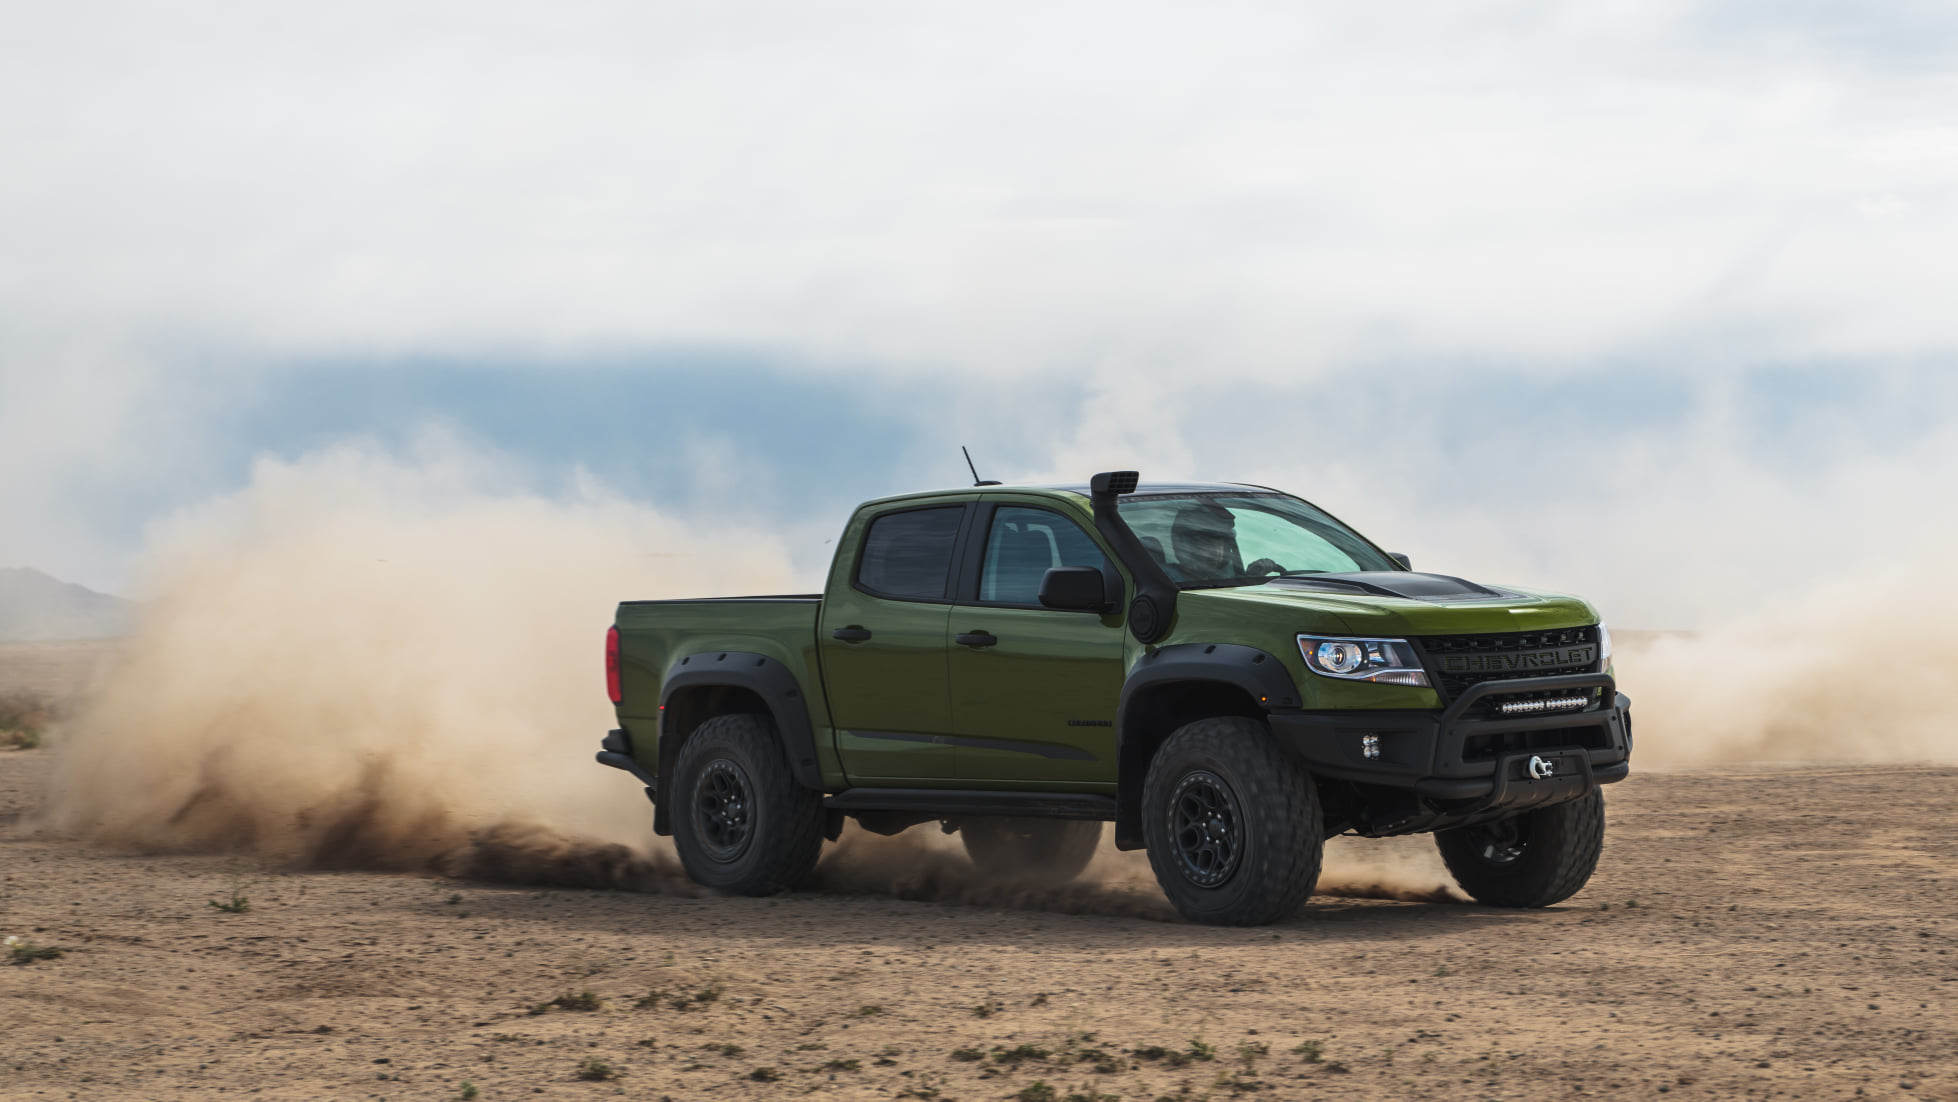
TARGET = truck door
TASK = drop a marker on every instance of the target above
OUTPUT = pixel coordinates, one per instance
(1034, 689)
(883, 647)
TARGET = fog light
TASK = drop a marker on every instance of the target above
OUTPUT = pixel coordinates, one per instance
(1370, 746)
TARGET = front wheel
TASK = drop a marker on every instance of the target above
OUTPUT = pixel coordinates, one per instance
(1232, 825)
(1534, 859)
(1051, 851)
(741, 823)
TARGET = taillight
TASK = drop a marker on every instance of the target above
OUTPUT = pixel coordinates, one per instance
(613, 685)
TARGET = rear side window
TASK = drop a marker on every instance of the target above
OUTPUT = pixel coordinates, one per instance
(1026, 543)
(908, 555)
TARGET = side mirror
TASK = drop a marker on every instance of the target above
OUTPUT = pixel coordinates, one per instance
(1406, 563)
(1074, 588)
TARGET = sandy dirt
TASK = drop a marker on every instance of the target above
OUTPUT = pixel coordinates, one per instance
(1751, 933)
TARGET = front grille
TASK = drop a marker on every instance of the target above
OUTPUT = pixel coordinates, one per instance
(1488, 747)
(1538, 653)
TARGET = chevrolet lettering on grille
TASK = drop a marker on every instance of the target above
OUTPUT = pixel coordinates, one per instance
(1522, 660)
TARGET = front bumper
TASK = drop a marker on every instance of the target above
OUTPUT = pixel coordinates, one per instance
(1460, 769)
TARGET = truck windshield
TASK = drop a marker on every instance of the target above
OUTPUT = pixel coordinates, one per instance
(1208, 540)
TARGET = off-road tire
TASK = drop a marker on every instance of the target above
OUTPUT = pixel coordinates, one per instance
(1048, 851)
(741, 823)
(1552, 854)
(1231, 766)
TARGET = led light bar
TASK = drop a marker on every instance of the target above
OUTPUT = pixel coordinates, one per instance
(1538, 707)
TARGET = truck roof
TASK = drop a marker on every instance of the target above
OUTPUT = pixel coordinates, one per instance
(1145, 489)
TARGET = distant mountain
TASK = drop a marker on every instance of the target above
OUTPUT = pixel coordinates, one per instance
(35, 607)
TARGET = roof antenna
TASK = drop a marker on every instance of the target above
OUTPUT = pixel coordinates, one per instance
(976, 480)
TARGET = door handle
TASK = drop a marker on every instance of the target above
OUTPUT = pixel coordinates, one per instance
(851, 634)
(976, 639)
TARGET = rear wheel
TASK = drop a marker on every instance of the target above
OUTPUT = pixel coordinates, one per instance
(1049, 850)
(1232, 825)
(1534, 859)
(741, 822)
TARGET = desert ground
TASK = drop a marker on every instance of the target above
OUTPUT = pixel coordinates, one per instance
(1752, 932)
(58, 670)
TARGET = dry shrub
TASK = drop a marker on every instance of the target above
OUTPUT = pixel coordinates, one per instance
(23, 718)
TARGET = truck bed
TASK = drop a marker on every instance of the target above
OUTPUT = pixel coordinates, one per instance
(654, 635)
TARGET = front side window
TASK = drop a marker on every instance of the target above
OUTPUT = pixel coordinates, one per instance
(1214, 540)
(908, 555)
(1023, 545)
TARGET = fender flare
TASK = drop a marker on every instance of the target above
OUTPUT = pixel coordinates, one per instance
(766, 677)
(1257, 673)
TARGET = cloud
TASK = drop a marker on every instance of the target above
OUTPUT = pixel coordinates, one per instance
(1019, 188)
(1534, 292)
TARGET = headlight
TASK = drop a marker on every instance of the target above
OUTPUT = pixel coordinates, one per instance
(1384, 661)
(1604, 647)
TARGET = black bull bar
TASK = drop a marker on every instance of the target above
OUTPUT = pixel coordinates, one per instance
(1448, 769)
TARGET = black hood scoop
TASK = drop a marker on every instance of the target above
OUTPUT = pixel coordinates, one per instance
(1395, 583)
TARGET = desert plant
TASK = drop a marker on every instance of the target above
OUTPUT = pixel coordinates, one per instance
(1196, 1052)
(596, 1070)
(765, 1075)
(1036, 1091)
(23, 717)
(239, 903)
(469, 1091)
(22, 951)
(583, 1000)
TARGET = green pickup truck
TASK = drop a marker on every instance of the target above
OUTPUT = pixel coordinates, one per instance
(1225, 672)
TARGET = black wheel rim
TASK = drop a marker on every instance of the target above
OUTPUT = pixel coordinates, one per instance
(1206, 828)
(1501, 842)
(722, 815)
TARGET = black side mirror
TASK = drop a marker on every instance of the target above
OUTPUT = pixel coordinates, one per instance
(1075, 588)
(1406, 563)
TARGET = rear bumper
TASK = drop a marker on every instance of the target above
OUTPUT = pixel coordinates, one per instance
(616, 751)
(1460, 767)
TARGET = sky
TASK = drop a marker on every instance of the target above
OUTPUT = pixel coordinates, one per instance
(1644, 300)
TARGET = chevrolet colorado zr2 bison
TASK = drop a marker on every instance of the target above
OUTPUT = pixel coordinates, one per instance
(1225, 672)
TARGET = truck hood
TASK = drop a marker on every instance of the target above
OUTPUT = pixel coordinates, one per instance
(1395, 603)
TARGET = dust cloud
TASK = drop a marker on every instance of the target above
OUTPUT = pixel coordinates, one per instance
(1854, 669)
(924, 864)
(365, 661)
